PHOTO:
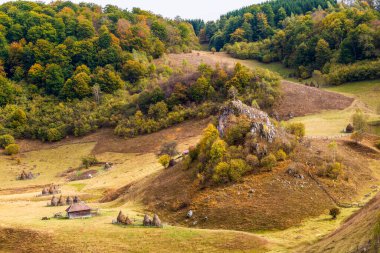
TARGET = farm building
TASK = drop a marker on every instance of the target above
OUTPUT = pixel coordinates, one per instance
(78, 210)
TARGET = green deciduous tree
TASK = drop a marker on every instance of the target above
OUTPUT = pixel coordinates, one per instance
(322, 53)
(54, 79)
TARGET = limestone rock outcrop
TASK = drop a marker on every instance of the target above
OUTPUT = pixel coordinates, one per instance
(261, 125)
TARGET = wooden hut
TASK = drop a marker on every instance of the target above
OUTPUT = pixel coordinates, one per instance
(78, 210)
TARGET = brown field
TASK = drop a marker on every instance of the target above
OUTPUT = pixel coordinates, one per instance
(300, 100)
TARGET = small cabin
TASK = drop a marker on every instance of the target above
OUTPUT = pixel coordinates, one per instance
(78, 210)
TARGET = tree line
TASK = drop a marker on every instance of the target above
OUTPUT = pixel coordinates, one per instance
(335, 42)
(324, 39)
(252, 23)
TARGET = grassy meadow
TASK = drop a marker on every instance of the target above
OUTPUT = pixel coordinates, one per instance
(21, 209)
(332, 123)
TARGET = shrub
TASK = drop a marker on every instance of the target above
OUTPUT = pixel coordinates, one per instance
(357, 136)
(193, 153)
(218, 151)
(297, 129)
(363, 70)
(281, 155)
(169, 148)
(235, 134)
(229, 172)
(6, 139)
(164, 160)
(53, 134)
(333, 170)
(220, 174)
(334, 212)
(237, 168)
(12, 149)
(268, 162)
(252, 160)
(88, 161)
(359, 121)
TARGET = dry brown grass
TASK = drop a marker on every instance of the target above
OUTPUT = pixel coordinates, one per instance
(279, 201)
(300, 100)
(355, 234)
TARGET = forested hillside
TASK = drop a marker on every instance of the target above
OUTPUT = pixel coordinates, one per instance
(255, 22)
(59, 62)
(69, 69)
(340, 41)
(45, 44)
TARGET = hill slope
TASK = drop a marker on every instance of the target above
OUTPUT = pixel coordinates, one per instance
(355, 235)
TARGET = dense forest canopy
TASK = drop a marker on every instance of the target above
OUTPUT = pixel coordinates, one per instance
(64, 48)
(319, 38)
(252, 23)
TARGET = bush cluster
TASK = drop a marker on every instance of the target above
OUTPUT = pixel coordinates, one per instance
(12, 149)
(332, 170)
(225, 159)
(354, 72)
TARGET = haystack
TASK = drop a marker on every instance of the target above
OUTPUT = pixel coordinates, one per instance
(61, 202)
(30, 175)
(69, 200)
(147, 221)
(45, 191)
(76, 199)
(52, 189)
(349, 128)
(23, 175)
(123, 219)
(156, 221)
(54, 201)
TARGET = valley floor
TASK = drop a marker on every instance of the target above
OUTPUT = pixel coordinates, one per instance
(135, 160)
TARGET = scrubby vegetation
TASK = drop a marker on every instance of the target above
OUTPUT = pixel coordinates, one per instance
(89, 161)
(164, 160)
(12, 149)
(335, 43)
(220, 160)
(334, 212)
(6, 140)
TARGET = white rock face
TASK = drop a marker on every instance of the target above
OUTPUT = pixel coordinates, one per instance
(260, 123)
